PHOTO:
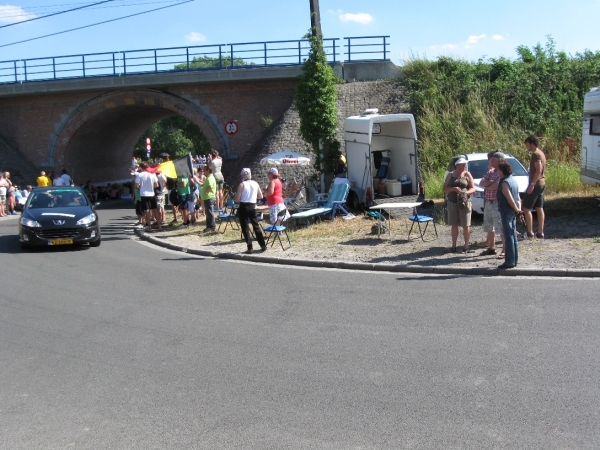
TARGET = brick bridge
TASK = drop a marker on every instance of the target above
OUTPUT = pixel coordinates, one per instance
(90, 126)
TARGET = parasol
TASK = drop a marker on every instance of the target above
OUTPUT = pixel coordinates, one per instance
(285, 158)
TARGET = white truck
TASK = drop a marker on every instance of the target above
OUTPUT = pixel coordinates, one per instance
(378, 148)
(590, 139)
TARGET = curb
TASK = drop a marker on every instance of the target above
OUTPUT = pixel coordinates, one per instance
(347, 265)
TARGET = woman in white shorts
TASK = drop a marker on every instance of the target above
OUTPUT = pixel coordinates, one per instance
(274, 194)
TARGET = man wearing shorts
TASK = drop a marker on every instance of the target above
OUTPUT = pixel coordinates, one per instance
(146, 182)
(492, 224)
(160, 195)
(534, 196)
(186, 197)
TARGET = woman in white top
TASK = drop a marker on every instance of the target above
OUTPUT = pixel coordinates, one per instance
(247, 193)
(216, 163)
(3, 189)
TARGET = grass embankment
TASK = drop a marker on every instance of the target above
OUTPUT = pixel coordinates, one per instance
(468, 107)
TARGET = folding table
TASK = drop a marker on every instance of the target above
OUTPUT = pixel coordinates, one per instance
(387, 207)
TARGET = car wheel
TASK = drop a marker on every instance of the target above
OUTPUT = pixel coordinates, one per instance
(96, 243)
(352, 201)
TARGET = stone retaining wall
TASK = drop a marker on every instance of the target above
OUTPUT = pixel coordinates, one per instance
(353, 98)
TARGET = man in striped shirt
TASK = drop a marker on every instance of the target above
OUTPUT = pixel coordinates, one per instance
(492, 224)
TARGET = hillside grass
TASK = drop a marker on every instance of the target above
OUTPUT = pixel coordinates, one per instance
(490, 104)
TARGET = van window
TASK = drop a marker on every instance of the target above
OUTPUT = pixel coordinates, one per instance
(595, 126)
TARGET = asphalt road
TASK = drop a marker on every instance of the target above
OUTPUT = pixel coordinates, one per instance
(127, 346)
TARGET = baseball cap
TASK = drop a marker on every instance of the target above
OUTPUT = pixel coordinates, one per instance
(246, 172)
(460, 160)
(499, 155)
(274, 171)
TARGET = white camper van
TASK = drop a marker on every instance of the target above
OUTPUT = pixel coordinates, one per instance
(590, 139)
(381, 149)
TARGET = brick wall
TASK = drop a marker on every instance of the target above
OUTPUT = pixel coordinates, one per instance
(92, 134)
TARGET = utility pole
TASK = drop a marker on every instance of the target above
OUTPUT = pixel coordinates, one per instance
(315, 18)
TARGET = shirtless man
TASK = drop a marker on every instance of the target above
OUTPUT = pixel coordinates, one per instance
(534, 196)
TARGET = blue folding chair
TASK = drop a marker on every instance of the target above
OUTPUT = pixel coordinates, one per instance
(277, 229)
(228, 217)
(336, 201)
(421, 219)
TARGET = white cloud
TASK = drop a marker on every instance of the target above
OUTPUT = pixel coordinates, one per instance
(474, 39)
(498, 37)
(363, 18)
(443, 47)
(195, 37)
(11, 14)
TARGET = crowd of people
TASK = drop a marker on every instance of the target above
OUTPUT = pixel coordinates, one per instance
(503, 206)
(201, 194)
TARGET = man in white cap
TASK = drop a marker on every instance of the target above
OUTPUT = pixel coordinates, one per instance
(247, 193)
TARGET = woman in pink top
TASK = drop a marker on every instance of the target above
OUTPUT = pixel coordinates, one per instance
(274, 194)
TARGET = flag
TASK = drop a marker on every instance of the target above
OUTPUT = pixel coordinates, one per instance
(180, 167)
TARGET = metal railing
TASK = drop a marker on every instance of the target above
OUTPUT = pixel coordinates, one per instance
(205, 57)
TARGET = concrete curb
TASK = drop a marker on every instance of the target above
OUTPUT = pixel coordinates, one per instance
(347, 265)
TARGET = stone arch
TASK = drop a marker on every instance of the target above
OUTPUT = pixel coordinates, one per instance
(96, 139)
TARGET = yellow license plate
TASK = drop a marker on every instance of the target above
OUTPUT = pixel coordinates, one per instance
(60, 241)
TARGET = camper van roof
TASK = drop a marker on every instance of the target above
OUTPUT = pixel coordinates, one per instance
(364, 124)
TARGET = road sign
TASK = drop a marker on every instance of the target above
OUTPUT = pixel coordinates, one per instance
(231, 127)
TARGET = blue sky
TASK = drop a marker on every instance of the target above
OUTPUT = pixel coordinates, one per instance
(465, 29)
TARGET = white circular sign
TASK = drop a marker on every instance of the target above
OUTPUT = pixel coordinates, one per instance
(231, 127)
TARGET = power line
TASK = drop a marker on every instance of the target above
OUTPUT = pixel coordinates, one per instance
(94, 24)
(56, 14)
(54, 8)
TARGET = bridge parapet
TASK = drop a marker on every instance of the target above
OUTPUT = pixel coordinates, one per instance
(236, 56)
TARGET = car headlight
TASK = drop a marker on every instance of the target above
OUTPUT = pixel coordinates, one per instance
(87, 220)
(29, 223)
(478, 194)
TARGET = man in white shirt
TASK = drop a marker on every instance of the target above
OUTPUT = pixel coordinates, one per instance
(146, 182)
(66, 178)
(58, 181)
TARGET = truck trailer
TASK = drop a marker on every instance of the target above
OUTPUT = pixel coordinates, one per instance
(590, 139)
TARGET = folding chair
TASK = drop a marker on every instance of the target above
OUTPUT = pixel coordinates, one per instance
(383, 168)
(228, 217)
(419, 219)
(277, 229)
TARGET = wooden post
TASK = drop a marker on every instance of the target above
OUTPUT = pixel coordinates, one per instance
(315, 18)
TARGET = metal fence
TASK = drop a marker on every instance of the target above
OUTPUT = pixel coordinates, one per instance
(204, 57)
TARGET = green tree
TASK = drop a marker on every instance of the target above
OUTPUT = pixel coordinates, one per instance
(316, 96)
(210, 62)
(174, 135)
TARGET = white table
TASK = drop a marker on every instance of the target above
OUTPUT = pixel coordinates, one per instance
(389, 206)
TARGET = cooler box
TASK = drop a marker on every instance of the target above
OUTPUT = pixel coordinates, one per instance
(394, 188)
(406, 187)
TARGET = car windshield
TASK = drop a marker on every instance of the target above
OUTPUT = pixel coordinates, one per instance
(59, 198)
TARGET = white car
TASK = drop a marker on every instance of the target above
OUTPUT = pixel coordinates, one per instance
(477, 165)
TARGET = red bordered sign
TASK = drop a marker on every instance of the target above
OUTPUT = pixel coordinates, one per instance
(231, 127)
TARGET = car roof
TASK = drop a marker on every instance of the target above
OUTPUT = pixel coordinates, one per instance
(480, 156)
